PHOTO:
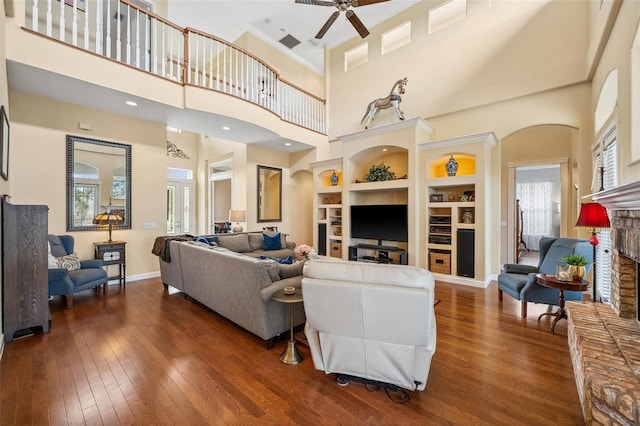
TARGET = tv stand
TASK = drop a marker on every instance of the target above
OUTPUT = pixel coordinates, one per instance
(385, 254)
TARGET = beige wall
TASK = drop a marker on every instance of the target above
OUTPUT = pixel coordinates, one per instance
(499, 52)
(39, 130)
(617, 55)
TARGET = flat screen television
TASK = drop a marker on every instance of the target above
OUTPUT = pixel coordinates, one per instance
(387, 222)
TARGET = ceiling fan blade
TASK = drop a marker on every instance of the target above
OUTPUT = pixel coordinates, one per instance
(357, 24)
(317, 2)
(356, 3)
(327, 24)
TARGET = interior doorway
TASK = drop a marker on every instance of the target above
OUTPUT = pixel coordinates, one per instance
(537, 204)
(538, 190)
(220, 194)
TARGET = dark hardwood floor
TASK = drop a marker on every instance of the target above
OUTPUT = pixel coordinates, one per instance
(147, 357)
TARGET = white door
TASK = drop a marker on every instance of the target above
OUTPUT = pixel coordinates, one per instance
(181, 212)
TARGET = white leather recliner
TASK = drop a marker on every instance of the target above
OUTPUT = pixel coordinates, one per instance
(370, 321)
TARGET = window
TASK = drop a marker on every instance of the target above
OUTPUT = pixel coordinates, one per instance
(396, 37)
(356, 56)
(610, 180)
(85, 204)
(173, 173)
(446, 14)
(535, 201)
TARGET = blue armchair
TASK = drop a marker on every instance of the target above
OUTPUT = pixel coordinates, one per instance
(519, 281)
(64, 282)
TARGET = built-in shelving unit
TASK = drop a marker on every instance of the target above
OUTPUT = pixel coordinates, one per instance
(395, 145)
(460, 217)
(327, 235)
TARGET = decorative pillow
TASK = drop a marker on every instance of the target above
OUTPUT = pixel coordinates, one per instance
(53, 262)
(238, 243)
(255, 241)
(290, 271)
(272, 269)
(285, 261)
(70, 262)
(272, 242)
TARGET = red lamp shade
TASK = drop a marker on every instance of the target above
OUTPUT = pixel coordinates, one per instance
(593, 215)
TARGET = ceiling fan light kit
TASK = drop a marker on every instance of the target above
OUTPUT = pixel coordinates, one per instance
(342, 6)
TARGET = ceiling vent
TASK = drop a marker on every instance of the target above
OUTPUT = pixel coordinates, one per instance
(290, 41)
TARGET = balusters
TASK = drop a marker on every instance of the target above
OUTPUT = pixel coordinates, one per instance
(186, 56)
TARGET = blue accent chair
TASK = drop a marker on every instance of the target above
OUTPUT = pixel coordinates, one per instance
(64, 282)
(519, 281)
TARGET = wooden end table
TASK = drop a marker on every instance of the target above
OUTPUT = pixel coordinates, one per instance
(291, 354)
(552, 281)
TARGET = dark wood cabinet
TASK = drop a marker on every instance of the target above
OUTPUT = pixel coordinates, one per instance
(25, 281)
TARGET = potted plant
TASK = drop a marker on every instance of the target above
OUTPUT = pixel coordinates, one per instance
(378, 173)
(578, 263)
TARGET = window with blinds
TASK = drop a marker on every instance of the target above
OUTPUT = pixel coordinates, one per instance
(610, 180)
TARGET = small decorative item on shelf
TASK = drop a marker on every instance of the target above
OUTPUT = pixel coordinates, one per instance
(463, 198)
(451, 166)
(325, 200)
(378, 173)
(471, 196)
(435, 198)
(563, 273)
(331, 200)
(577, 262)
(334, 178)
(451, 196)
(467, 216)
(289, 290)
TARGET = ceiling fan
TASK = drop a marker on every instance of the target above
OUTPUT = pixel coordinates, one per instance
(342, 6)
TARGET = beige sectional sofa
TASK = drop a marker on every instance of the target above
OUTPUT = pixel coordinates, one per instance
(236, 285)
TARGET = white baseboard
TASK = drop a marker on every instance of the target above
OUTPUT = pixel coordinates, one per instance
(138, 277)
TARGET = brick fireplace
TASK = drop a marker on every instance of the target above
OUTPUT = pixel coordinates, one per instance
(604, 340)
(623, 204)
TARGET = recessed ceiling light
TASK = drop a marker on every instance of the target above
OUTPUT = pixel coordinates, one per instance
(226, 128)
(384, 149)
(131, 103)
(287, 144)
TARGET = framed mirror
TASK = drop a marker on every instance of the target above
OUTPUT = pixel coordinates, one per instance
(269, 194)
(98, 181)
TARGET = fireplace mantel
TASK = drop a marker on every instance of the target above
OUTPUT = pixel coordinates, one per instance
(622, 197)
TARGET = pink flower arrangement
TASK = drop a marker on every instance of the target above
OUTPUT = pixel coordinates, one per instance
(302, 251)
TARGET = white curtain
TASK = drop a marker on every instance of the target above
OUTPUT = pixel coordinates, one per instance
(535, 202)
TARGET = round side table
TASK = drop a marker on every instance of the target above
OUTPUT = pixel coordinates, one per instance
(291, 354)
(552, 281)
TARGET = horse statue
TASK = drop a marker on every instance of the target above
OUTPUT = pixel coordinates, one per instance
(393, 99)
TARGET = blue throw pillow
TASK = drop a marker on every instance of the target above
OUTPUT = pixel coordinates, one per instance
(287, 261)
(271, 242)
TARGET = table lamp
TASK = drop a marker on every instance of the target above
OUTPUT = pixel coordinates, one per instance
(236, 216)
(594, 216)
(107, 218)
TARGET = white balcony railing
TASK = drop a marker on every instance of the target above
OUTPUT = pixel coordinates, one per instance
(129, 34)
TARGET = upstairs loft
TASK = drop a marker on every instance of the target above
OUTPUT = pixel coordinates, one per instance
(188, 79)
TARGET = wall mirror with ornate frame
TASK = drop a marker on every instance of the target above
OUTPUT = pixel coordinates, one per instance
(269, 194)
(98, 181)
